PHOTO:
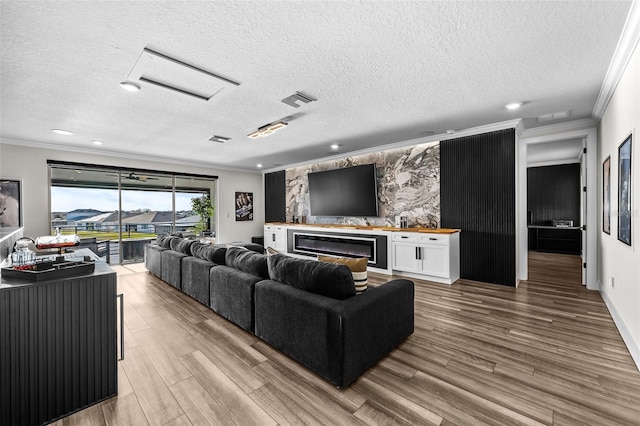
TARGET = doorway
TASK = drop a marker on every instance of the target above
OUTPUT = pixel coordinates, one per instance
(565, 148)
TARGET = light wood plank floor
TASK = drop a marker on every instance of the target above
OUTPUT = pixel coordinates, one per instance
(545, 353)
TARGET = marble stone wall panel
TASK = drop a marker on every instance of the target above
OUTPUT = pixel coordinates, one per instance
(408, 185)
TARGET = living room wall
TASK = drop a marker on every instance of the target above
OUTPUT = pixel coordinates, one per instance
(408, 185)
(30, 165)
(618, 261)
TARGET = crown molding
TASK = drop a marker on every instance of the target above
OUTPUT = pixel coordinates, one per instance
(552, 163)
(621, 57)
(510, 124)
(554, 129)
(119, 154)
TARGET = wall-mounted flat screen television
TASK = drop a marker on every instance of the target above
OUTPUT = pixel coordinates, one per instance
(351, 191)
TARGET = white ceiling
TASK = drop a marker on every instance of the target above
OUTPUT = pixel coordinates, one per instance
(383, 72)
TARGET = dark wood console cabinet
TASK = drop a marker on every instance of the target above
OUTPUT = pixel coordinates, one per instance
(58, 346)
(555, 239)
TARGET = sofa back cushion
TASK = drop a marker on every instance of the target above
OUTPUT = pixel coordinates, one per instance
(327, 279)
(181, 245)
(247, 261)
(209, 252)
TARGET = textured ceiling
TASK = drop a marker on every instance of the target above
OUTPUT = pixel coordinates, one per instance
(382, 72)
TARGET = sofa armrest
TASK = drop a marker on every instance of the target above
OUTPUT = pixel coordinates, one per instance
(374, 323)
(303, 325)
(338, 339)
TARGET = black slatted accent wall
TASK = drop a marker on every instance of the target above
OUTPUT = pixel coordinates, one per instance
(477, 195)
(274, 197)
(553, 192)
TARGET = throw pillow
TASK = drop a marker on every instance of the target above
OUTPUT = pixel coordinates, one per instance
(357, 266)
(247, 261)
(331, 280)
(271, 251)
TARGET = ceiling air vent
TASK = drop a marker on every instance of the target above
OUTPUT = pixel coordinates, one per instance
(219, 139)
(170, 73)
(298, 97)
(553, 116)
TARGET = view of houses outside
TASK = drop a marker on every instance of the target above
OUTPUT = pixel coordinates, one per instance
(98, 226)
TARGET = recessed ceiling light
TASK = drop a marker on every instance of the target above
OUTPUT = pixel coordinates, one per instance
(450, 132)
(130, 86)
(335, 146)
(259, 165)
(96, 142)
(62, 132)
(513, 105)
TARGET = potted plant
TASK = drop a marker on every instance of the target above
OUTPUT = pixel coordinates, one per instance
(203, 207)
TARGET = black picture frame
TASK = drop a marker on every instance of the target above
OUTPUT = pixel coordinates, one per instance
(244, 206)
(10, 203)
(624, 191)
(606, 196)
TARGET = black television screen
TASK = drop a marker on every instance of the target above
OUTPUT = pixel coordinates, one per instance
(351, 191)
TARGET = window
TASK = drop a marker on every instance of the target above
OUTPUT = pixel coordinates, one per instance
(116, 211)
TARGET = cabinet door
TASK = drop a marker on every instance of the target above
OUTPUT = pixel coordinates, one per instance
(269, 237)
(280, 240)
(434, 260)
(405, 257)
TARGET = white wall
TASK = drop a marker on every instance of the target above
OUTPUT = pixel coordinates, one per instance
(617, 260)
(30, 165)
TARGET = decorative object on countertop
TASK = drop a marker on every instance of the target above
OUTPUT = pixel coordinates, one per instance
(23, 256)
(48, 269)
(57, 241)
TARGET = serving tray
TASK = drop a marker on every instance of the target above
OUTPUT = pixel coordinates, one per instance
(50, 270)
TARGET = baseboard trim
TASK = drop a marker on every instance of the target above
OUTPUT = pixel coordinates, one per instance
(634, 350)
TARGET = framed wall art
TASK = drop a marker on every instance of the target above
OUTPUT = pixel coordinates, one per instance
(10, 203)
(606, 196)
(624, 191)
(244, 206)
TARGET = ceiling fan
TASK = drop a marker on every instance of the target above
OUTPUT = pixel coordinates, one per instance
(137, 177)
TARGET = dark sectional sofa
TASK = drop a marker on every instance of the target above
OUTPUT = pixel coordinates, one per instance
(307, 309)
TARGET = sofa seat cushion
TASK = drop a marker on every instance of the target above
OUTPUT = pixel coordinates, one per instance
(209, 252)
(152, 259)
(326, 279)
(232, 295)
(195, 278)
(171, 268)
(247, 261)
(357, 266)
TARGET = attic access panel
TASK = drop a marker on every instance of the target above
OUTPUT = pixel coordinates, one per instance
(170, 73)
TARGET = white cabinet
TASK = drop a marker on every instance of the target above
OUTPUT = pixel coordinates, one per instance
(275, 236)
(433, 256)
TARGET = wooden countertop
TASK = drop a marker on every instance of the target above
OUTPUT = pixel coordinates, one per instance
(370, 228)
